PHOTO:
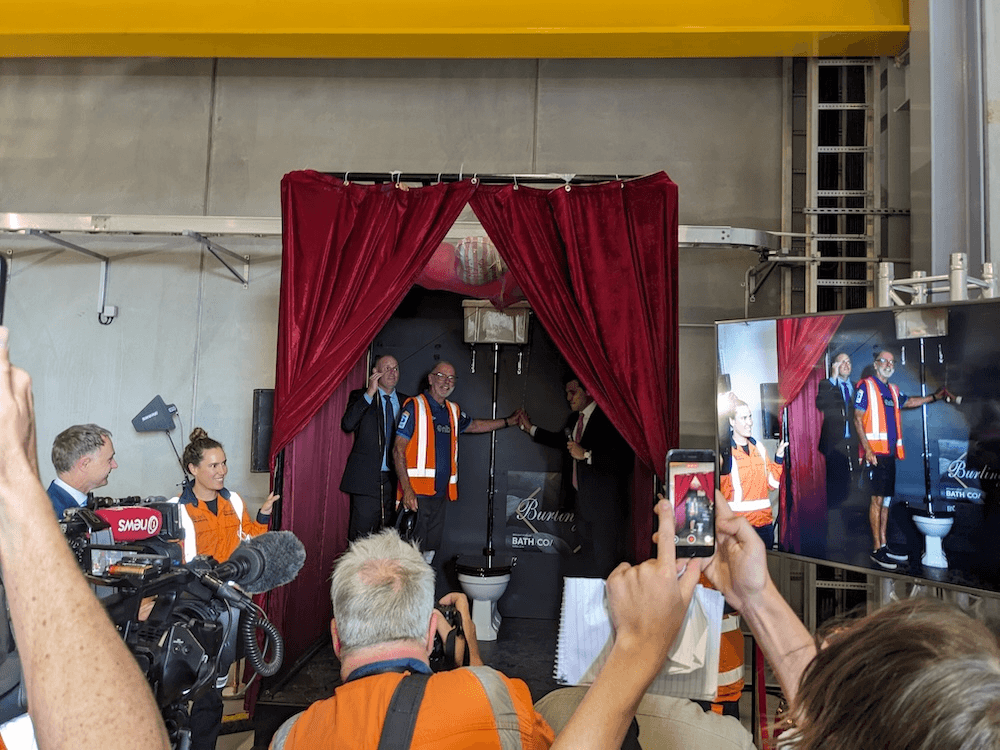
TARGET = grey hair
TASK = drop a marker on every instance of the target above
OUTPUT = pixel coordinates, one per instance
(74, 443)
(916, 675)
(382, 590)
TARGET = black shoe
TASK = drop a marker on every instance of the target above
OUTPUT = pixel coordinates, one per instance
(880, 557)
(894, 554)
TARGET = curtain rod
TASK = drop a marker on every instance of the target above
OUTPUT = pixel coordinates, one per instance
(486, 179)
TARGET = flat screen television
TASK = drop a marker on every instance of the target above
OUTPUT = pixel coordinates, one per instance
(942, 521)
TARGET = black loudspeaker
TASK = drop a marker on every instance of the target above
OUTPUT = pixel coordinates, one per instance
(263, 420)
(770, 411)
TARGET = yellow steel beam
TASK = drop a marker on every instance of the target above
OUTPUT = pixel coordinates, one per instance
(452, 28)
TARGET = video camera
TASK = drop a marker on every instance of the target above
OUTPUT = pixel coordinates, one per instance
(443, 654)
(107, 531)
(185, 624)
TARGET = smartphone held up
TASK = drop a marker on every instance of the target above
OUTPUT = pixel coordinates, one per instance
(691, 490)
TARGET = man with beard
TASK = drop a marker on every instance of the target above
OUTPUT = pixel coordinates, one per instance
(426, 452)
(877, 405)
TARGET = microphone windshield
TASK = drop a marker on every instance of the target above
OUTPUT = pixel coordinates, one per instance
(264, 562)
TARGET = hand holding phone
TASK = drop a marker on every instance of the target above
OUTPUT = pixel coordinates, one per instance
(691, 491)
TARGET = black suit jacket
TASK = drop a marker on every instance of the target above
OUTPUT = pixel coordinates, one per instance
(836, 415)
(363, 471)
(604, 483)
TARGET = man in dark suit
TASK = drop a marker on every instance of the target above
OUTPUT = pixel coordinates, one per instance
(369, 478)
(838, 439)
(83, 457)
(597, 473)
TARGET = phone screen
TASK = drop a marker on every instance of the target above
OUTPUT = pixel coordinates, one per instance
(691, 488)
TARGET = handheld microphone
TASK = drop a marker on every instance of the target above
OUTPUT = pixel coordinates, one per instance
(264, 562)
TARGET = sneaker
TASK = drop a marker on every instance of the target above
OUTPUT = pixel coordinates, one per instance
(894, 554)
(880, 557)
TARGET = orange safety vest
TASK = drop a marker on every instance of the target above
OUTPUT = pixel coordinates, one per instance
(421, 462)
(874, 420)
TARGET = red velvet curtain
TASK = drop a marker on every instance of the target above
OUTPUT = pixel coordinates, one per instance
(317, 511)
(598, 264)
(603, 282)
(350, 255)
(802, 342)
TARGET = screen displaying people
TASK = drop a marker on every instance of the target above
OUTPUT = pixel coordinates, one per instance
(892, 419)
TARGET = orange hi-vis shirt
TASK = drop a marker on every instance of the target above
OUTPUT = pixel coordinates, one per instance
(748, 485)
(217, 535)
(455, 714)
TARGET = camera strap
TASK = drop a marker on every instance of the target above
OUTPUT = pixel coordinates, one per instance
(401, 717)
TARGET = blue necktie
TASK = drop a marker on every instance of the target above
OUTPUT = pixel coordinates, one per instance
(390, 428)
(847, 409)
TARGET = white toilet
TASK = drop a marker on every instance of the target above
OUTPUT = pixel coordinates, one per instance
(484, 581)
(934, 528)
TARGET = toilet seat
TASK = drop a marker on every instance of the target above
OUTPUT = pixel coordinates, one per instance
(941, 510)
(478, 565)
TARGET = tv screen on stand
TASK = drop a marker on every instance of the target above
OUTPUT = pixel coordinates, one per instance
(892, 424)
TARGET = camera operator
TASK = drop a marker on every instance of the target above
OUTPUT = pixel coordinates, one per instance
(383, 629)
(84, 457)
(76, 667)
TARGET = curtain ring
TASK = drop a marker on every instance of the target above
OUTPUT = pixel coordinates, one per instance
(475, 178)
(566, 187)
(515, 182)
(396, 175)
(439, 178)
(346, 181)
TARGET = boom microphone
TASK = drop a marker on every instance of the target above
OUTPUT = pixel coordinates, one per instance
(264, 562)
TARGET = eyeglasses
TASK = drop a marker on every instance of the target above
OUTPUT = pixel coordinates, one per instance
(445, 378)
(884, 361)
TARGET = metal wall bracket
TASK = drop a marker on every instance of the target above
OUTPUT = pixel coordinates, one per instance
(218, 251)
(105, 313)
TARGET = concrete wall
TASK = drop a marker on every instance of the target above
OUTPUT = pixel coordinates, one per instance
(215, 137)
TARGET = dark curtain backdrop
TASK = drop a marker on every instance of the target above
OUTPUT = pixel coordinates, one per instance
(601, 261)
(598, 264)
(802, 342)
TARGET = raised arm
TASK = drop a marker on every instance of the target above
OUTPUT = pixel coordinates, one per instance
(739, 571)
(648, 603)
(75, 663)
